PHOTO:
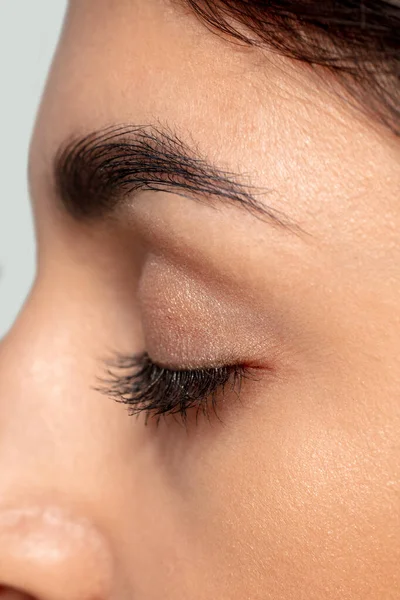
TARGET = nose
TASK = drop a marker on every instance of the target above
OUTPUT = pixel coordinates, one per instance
(54, 543)
(48, 554)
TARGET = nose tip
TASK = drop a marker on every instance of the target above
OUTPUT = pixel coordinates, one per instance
(46, 554)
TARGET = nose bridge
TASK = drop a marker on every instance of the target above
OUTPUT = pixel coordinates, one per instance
(51, 546)
(46, 363)
(35, 365)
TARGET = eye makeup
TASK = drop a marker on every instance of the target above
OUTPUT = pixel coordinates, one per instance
(191, 320)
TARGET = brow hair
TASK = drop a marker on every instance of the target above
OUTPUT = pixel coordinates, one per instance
(97, 173)
(356, 40)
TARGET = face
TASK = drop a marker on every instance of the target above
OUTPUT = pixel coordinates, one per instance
(290, 491)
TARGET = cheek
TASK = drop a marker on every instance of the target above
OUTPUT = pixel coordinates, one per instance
(293, 496)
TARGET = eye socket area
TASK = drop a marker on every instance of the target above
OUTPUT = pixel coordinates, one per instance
(203, 335)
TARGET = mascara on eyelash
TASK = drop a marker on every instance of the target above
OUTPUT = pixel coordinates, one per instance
(156, 391)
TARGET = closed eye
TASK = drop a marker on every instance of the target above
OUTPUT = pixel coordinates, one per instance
(145, 387)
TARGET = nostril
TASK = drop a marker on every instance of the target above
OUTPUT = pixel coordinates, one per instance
(7, 593)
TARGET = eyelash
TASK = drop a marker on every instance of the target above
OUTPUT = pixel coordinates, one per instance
(157, 391)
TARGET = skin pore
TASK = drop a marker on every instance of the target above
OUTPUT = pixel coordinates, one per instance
(291, 492)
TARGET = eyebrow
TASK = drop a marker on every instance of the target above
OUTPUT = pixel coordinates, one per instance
(97, 173)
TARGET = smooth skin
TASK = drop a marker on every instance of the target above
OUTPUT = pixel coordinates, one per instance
(293, 493)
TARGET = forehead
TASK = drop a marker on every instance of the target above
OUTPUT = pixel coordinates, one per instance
(142, 60)
(247, 110)
(135, 61)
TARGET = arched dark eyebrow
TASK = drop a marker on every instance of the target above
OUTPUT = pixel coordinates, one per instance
(97, 173)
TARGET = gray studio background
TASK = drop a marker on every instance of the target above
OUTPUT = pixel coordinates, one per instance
(28, 34)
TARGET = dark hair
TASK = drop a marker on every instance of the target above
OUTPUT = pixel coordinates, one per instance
(357, 40)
